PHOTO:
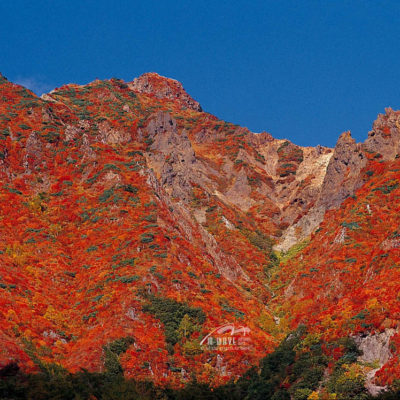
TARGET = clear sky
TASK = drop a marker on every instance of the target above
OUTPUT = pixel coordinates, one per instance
(305, 70)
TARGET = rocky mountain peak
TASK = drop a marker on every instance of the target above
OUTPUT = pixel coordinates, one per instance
(345, 138)
(384, 138)
(342, 174)
(162, 87)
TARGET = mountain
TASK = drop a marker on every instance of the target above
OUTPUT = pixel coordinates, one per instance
(132, 219)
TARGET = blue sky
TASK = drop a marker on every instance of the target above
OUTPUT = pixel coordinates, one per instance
(300, 69)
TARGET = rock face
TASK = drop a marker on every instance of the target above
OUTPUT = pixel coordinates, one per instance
(275, 176)
(297, 185)
(338, 179)
(375, 350)
(33, 155)
(384, 138)
(161, 87)
(112, 136)
(172, 157)
(226, 265)
(342, 174)
(300, 185)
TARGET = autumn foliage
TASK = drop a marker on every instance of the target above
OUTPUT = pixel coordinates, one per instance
(94, 251)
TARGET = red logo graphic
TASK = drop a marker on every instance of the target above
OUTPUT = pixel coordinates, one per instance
(228, 337)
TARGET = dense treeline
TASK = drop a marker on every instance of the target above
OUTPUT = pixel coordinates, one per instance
(295, 370)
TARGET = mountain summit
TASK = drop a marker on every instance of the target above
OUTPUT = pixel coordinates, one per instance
(164, 88)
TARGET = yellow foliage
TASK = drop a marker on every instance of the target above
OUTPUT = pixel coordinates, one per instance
(12, 316)
(35, 204)
(53, 315)
(209, 369)
(16, 253)
(33, 271)
(191, 348)
(311, 339)
(373, 304)
(285, 256)
(55, 229)
(353, 370)
(328, 322)
(59, 344)
(266, 322)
